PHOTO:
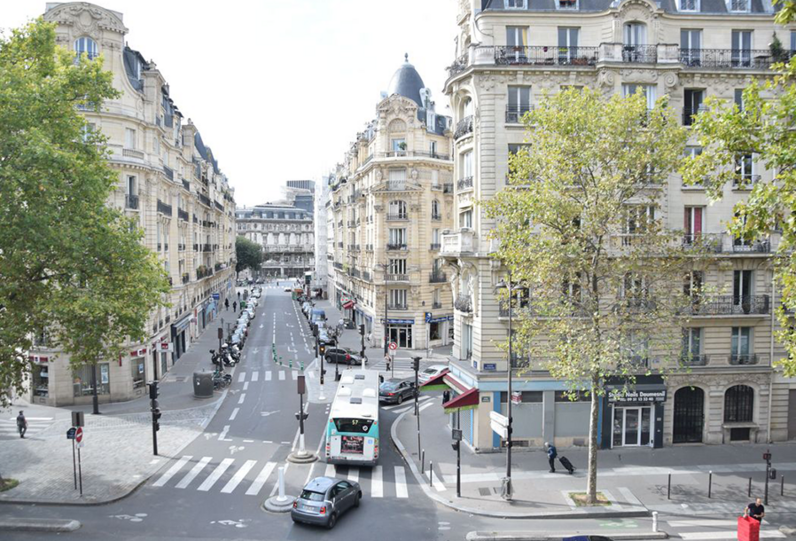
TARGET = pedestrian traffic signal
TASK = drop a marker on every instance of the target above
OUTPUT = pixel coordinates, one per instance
(156, 418)
(153, 390)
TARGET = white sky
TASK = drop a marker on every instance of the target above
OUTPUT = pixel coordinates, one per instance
(279, 88)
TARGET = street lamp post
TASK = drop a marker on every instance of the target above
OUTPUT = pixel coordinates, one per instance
(508, 489)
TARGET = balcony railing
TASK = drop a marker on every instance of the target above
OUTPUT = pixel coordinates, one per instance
(727, 244)
(132, 153)
(186, 278)
(458, 243)
(396, 306)
(396, 277)
(131, 201)
(395, 246)
(397, 216)
(366, 276)
(196, 247)
(181, 247)
(727, 58)
(436, 216)
(183, 214)
(514, 113)
(743, 358)
(168, 172)
(369, 247)
(745, 182)
(204, 199)
(186, 185)
(437, 277)
(339, 244)
(436, 305)
(640, 54)
(463, 127)
(207, 247)
(694, 360)
(163, 208)
(464, 303)
(464, 183)
(690, 112)
(352, 223)
(731, 305)
(435, 246)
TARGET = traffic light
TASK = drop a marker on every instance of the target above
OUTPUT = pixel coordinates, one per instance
(416, 363)
(322, 349)
(153, 390)
(156, 418)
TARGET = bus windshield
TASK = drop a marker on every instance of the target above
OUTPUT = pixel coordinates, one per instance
(357, 426)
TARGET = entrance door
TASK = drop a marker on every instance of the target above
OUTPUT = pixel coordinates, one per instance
(401, 335)
(632, 426)
(689, 416)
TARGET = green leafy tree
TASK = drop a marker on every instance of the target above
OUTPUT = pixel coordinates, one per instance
(68, 263)
(580, 233)
(249, 254)
(763, 127)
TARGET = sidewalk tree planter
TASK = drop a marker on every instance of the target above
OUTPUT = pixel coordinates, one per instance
(70, 264)
(598, 265)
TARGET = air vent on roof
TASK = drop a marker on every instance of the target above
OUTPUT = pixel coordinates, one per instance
(356, 400)
(344, 392)
(369, 393)
(359, 376)
(347, 379)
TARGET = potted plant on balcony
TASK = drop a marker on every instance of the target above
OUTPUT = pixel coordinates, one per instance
(778, 53)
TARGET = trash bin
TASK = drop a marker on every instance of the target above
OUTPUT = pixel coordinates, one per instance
(203, 384)
(748, 529)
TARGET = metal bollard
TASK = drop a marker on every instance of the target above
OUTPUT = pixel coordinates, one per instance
(669, 488)
(654, 522)
(710, 483)
(422, 462)
(430, 473)
(281, 483)
(749, 492)
(782, 486)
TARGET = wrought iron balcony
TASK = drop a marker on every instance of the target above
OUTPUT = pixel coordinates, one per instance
(351, 223)
(131, 201)
(397, 307)
(743, 359)
(163, 208)
(447, 187)
(731, 305)
(545, 55)
(727, 244)
(728, 58)
(436, 305)
(186, 278)
(394, 246)
(436, 216)
(183, 214)
(463, 127)
(514, 113)
(435, 246)
(437, 277)
(366, 276)
(397, 216)
(168, 172)
(464, 183)
(694, 360)
(180, 247)
(207, 248)
(204, 199)
(186, 185)
(396, 277)
(464, 303)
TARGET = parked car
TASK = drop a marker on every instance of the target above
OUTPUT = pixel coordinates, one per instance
(317, 315)
(431, 372)
(306, 307)
(250, 311)
(288, 289)
(324, 338)
(323, 500)
(396, 390)
(343, 356)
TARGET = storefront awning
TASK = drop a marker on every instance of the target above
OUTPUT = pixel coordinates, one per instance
(466, 401)
(455, 383)
(437, 383)
(348, 305)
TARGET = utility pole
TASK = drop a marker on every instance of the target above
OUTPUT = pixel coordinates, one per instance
(95, 395)
(386, 300)
(767, 458)
(416, 367)
(153, 402)
(362, 342)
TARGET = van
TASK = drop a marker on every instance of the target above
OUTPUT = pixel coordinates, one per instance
(317, 316)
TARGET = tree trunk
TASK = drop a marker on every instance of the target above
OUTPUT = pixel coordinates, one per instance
(591, 487)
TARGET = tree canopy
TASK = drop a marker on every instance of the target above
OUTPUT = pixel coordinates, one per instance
(581, 233)
(69, 263)
(249, 254)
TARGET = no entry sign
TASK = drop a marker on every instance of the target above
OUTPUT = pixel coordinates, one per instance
(79, 434)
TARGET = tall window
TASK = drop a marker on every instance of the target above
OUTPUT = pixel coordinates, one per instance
(398, 298)
(436, 213)
(647, 90)
(398, 144)
(466, 218)
(397, 210)
(397, 179)
(693, 224)
(467, 341)
(742, 48)
(635, 43)
(689, 5)
(692, 344)
(692, 284)
(739, 404)
(132, 185)
(738, 98)
(398, 238)
(693, 104)
(129, 138)
(435, 236)
(742, 284)
(516, 36)
(88, 46)
(740, 345)
(514, 4)
(567, 44)
(744, 170)
(519, 103)
(691, 46)
(397, 266)
(467, 164)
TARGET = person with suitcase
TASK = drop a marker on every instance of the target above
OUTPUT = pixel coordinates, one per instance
(567, 464)
(552, 453)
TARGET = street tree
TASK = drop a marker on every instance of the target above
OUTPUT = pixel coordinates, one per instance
(69, 264)
(249, 254)
(580, 229)
(763, 129)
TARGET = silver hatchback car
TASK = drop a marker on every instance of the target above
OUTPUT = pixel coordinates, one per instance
(324, 500)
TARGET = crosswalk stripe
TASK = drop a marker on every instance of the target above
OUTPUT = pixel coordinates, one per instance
(400, 482)
(268, 376)
(261, 479)
(331, 471)
(242, 398)
(281, 375)
(245, 385)
(255, 376)
(172, 471)
(728, 535)
(427, 404)
(404, 409)
(29, 419)
(376, 484)
(216, 475)
(241, 377)
(295, 375)
(238, 477)
(439, 486)
(191, 475)
(353, 474)
(629, 497)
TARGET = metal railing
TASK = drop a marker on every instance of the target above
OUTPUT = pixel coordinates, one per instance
(694, 360)
(728, 58)
(396, 277)
(690, 112)
(186, 278)
(392, 246)
(437, 277)
(735, 305)
(436, 305)
(743, 358)
(168, 172)
(186, 185)
(397, 216)
(464, 183)
(435, 246)
(545, 55)
(204, 199)
(397, 307)
(163, 208)
(514, 113)
(207, 247)
(183, 214)
(131, 201)
(463, 127)
(464, 303)
(745, 182)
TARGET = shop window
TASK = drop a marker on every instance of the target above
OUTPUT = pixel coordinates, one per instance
(434, 331)
(40, 374)
(82, 380)
(527, 397)
(137, 369)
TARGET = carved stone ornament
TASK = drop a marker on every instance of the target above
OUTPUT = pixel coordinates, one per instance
(670, 80)
(607, 79)
(378, 174)
(414, 174)
(639, 76)
(487, 82)
(87, 19)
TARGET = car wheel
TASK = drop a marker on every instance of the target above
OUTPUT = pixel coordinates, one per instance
(400, 399)
(359, 497)
(332, 521)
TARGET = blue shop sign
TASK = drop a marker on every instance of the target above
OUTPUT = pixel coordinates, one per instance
(439, 319)
(489, 367)
(216, 296)
(400, 321)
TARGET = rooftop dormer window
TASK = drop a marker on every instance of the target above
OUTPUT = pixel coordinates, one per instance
(515, 4)
(738, 6)
(567, 4)
(88, 46)
(688, 5)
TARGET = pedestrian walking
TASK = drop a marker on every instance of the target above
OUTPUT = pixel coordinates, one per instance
(552, 453)
(226, 304)
(754, 509)
(235, 305)
(238, 295)
(22, 424)
(446, 397)
(387, 360)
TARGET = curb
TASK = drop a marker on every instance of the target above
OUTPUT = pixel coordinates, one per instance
(522, 536)
(573, 514)
(38, 525)
(275, 506)
(132, 490)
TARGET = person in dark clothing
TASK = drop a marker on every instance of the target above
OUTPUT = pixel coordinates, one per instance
(226, 304)
(235, 306)
(756, 510)
(446, 396)
(238, 295)
(22, 424)
(552, 453)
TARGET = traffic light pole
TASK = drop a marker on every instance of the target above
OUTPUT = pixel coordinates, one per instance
(416, 366)
(153, 402)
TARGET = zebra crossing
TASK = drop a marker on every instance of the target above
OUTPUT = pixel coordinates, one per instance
(408, 405)
(716, 529)
(8, 426)
(267, 375)
(206, 474)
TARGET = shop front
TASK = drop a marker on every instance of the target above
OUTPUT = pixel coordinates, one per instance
(178, 331)
(40, 378)
(633, 417)
(439, 328)
(400, 332)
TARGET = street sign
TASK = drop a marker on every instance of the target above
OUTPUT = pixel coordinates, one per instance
(428, 317)
(499, 429)
(496, 417)
(70, 434)
(79, 436)
(216, 296)
(393, 346)
(516, 397)
(77, 418)
(457, 434)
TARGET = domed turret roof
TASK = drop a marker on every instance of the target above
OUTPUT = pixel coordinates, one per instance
(407, 82)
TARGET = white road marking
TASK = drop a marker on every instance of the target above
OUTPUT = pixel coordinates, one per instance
(216, 475)
(261, 479)
(238, 477)
(172, 471)
(400, 482)
(439, 486)
(424, 406)
(196, 470)
(331, 471)
(268, 376)
(728, 535)
(234, 414)
(353, 474)
(281, 375)
(631, 499)
(376, 483)
(255, 376)
(246, 386)
(248, 441)
(223, 435)
(241, 377)
(242, 398)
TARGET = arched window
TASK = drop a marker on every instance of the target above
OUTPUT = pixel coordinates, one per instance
(467, 107)
(397, 210)
(88, 46)
(739, 404)
(635, 43)
(436, 214)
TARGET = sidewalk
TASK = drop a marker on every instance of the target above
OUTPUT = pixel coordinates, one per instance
(117, 456)
(635, 480)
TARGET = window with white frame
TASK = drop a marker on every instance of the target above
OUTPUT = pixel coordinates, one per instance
(466, 218)
(129, 138)
(398, 298)
(517, 36)
(519, 103)
(397, 210)
(688, 5)
(397, 266)
(467, 164)
(397, 179)
(467, 341)
(515, 4)
(691, 46)
(567, 43)
(740, 350)
(741, 48)
(397, 237)
(744, 170)
(88, 46)
(647, 90)
(692, 344)
(567, 4)
(738, 6)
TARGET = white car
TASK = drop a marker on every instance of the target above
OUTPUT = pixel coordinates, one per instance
(431, 372)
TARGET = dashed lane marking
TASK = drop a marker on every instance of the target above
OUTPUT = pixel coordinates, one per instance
(234, 414)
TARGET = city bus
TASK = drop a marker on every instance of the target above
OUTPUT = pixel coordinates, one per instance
(352, 432)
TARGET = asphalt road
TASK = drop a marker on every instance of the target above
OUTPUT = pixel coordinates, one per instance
(215, 488)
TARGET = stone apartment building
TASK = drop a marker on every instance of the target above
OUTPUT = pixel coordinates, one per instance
(510, 52)
(390, 201)
(171, 184)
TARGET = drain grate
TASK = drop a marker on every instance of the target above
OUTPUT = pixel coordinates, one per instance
(484, 491)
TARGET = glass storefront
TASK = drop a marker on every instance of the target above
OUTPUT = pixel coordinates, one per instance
(632, 426)
(82, 381)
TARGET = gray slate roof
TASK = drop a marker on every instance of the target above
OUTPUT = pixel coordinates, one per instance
(407, 82)
(669, 6)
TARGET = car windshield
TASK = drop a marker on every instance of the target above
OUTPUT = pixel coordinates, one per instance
(430, 371)
(311, 496)
(360, 426)
(388, 386)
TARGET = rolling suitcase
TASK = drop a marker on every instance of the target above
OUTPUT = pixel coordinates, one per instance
(567, 464)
